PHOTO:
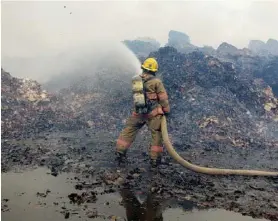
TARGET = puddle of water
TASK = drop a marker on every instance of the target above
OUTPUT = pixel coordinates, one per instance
(205, 215)
(24, 204)
(21, 189)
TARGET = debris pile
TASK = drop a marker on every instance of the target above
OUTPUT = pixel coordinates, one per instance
(259, 60)
(249, 65)
(226, 48)
(101, 102)
(261, 48)
(142, 46)
(180, 41)
(208, 99)
(201, 86)
(26, 108)
(269, 73)
(271, 104)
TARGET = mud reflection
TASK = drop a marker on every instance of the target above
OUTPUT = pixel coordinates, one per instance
(151, 209)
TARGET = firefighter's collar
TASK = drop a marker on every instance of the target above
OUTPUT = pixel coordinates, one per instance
(149, 78)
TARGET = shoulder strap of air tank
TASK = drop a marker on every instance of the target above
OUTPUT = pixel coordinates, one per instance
(150, 78)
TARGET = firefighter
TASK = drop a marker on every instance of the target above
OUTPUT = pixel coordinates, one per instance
(156, 105)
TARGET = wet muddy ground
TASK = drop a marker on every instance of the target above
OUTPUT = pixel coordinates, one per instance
(36, 195)
(83, 182)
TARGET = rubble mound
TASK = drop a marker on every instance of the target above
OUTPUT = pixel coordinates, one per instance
(142, 46)
(202, 87)
(264, 49)
(207, 97)
(272, 46)
(256, 45)
(251, 66)
(26, 108)
(101, 101)
(181, 41)
(269, 73)
(177, 38)
(257, 61)
(226, 48)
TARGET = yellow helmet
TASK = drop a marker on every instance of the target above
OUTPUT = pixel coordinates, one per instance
(150, 64)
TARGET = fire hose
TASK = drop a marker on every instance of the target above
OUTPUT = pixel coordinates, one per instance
(206, 170)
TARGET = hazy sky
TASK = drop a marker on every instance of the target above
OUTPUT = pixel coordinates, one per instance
(33, 26)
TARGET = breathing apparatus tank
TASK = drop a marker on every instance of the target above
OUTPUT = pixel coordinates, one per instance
(139, 98)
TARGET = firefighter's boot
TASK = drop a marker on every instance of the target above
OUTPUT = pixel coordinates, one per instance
(121, 158)
(155, 162)
(155, 155)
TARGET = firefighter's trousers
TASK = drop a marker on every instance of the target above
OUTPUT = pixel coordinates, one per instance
(133, 125)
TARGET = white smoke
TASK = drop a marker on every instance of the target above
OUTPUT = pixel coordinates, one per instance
(84, 59)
